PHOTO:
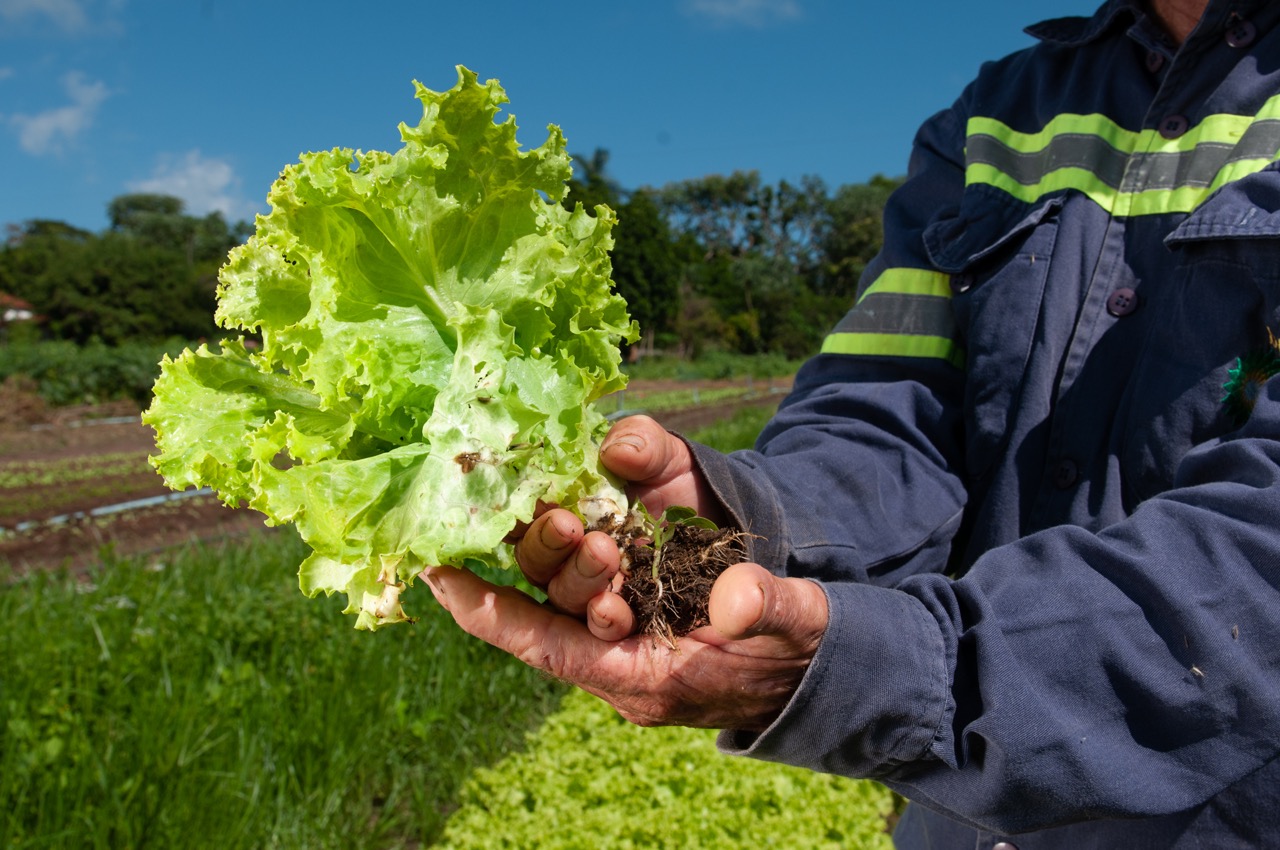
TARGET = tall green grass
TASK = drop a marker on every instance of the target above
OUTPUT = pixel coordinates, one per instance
(65, 373)
(205, 703)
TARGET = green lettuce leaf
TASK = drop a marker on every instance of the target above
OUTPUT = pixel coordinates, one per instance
(434, 327)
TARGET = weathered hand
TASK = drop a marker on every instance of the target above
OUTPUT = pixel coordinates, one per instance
(579, 571)
(737, 673)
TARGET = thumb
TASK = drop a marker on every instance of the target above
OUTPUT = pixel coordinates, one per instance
(659, 466)
(639, 449)
(747, 601)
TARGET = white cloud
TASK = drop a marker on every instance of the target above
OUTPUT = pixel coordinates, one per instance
(46, 132)
(752, 13)
(203, 184)
(69, 15)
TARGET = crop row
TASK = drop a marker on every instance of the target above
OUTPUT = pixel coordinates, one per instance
(693, 395)
(62, 471)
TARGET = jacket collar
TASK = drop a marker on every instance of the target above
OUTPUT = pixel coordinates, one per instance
(1077, 31)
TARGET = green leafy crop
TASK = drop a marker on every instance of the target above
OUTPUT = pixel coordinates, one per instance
(434, 326)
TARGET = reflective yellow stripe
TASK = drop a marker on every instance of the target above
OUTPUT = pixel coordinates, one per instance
(1066, 124)
(1126, 172)
(894, 345)
(903, 313)
(910, 282)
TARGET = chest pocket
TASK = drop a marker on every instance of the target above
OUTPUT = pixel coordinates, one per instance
(997, 253)
(1220, 302)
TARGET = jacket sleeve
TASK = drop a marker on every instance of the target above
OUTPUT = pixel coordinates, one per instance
(1070, 675)
(1074, 674)
(864, 453)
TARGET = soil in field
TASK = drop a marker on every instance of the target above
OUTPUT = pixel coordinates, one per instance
(96, 456)
(58, 522)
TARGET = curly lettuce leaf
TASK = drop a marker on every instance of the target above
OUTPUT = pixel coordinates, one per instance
(434, 326)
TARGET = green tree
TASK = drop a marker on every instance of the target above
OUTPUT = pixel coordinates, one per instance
(160, 221)
(646, 267)
(854, 233)
(152, 274)
(760, 248)
(590, 184)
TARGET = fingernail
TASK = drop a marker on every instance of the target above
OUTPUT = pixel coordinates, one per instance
(635, 441)
(559, 533)
(600, 622)
(437, 586)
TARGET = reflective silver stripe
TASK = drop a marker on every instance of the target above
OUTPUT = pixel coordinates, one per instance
(1126, 172)
(903, 313)
(1157, 170)
(892, 312)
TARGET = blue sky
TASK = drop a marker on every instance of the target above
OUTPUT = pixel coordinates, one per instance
(209, 99)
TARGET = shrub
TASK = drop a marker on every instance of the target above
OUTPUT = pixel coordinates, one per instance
(65, 373)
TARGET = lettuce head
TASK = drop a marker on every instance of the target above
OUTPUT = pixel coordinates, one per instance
(423, 334)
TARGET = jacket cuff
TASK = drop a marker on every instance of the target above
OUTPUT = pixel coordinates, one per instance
(748, 499)
(875, 695)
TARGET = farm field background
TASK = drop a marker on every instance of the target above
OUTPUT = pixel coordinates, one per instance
(64, 471)
(164, 683)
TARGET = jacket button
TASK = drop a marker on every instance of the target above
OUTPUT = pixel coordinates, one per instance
(1155, 61)
(962, 282)
(1174, 126)
(1122, 302)
(1066, 474)
(1241, 33)
(1005, 845)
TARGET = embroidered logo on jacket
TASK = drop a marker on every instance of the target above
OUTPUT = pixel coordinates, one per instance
(1246, 378)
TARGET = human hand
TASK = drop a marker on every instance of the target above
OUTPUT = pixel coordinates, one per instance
(737, 673)
(580, 571)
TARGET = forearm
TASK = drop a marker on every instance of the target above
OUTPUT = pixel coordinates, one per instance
(1031, 692)
(853, 480)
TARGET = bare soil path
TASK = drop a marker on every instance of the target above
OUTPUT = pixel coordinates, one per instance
(60, 470)
(59, 474)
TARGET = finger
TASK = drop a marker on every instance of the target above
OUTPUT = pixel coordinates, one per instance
(588, 572)
(659, 466)
(697, 685)
(639, 449)
(513, 622)
(501, 616)
(552, 538)
(522, 527)
(610, 618)
(748, 601)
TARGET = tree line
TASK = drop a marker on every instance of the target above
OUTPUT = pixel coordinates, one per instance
(725, 262)
(151, 275)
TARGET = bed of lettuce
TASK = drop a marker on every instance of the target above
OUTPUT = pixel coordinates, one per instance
(423, 334)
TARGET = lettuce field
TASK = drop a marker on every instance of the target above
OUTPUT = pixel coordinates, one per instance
(163, 683)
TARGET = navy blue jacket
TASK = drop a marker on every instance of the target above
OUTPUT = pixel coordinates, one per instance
(1051, 549)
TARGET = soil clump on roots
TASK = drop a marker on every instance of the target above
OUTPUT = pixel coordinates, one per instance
(674, 603)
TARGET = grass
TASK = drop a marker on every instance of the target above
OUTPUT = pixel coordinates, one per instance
(203, 702)
(590, 780)
(206, 703)
(737, 432)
